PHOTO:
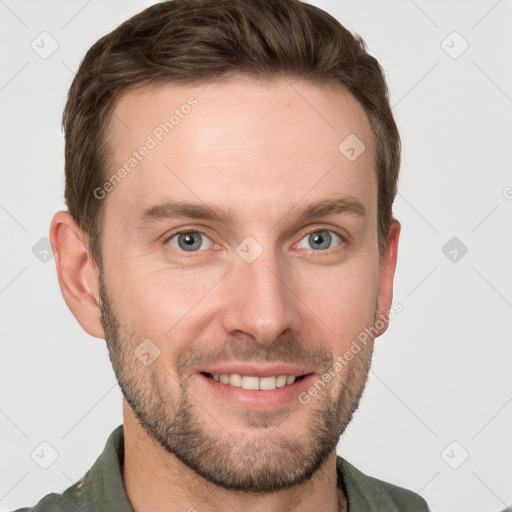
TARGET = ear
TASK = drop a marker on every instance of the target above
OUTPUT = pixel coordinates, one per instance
(387, 267)
(77, 272)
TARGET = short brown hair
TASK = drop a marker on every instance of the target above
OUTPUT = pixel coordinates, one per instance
(194, 41)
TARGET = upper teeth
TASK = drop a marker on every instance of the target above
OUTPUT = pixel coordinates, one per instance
(249, 382)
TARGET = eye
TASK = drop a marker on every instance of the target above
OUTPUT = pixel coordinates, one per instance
(189, 241)
(320, 239)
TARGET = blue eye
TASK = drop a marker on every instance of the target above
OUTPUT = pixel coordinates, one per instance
(320, 239)
(189, 241)
(195, 241)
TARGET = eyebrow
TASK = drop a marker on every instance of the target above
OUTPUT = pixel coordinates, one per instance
(177, 209)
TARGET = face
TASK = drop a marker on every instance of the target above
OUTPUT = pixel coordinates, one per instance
(228, 273)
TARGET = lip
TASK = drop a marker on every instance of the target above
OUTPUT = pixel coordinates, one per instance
(258, 399)
(253, 370)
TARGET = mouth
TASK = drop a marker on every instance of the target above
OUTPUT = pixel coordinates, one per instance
(253, 382)
(252, 392)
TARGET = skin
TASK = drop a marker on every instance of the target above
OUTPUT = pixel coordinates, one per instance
(263, 150)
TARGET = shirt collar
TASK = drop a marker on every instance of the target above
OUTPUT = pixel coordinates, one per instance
(103, 485)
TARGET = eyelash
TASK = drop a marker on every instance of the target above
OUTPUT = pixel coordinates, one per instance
(187, 254)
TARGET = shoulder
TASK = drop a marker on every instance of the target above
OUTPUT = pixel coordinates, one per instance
(101, 485)
(404, 499)
(71, 500)
(376, 494)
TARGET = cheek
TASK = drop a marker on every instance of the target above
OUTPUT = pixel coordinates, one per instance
(342, 298)
(159, 304)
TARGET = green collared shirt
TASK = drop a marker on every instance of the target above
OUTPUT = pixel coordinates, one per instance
(102, 488)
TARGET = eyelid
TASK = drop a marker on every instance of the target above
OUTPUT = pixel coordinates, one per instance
(167, 238)
(343, 239)
(308, 230)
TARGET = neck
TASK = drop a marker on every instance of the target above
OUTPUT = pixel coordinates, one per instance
(157, 481)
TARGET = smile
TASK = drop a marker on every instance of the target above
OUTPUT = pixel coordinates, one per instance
(253, 382)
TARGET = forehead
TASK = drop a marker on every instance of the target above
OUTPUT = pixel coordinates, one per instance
(258, 146)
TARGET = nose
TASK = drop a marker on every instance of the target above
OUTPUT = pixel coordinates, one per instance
(262, 303)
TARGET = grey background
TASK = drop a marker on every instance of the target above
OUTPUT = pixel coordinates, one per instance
(441, 384)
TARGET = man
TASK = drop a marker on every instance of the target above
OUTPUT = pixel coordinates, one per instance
(230, 172)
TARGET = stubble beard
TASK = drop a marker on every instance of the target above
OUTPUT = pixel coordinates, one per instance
(257, 461)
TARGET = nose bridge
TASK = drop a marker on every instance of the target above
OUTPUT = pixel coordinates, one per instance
(263, 305)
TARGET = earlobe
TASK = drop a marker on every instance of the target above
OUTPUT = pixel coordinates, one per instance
(77, 272)
(387, 267)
